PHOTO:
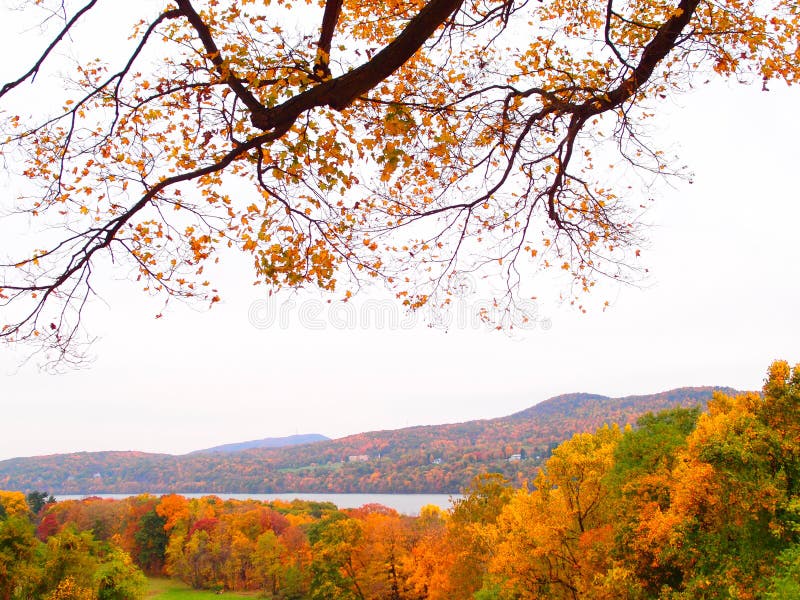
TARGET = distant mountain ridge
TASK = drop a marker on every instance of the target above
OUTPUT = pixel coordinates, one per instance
(272, 442)
(420, 459)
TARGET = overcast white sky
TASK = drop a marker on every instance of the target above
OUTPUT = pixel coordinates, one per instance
(722, 302)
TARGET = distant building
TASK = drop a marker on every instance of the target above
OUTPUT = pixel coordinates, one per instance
(436, 461)
(358, 458)
(515, 458)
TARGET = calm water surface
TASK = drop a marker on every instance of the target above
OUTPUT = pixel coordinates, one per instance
(407, 504)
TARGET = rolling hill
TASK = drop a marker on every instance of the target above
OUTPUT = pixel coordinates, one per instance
(433, 458)
(274, 442)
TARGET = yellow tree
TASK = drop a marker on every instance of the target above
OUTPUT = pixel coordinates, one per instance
(387, 542)
(339, 566)
(432, 558)
(555, 541)
(468, 549)
(13, 503)
(68, 589)
(267, 559)
(407, 141)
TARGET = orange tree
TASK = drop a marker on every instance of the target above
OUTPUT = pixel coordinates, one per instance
(408, 141)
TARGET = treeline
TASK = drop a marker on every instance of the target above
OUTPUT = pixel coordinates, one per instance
(432, 459)
(687, 504)
(65, 562)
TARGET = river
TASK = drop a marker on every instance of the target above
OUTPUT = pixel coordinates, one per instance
(407, 504)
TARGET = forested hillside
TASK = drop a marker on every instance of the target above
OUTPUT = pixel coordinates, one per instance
(688, 504)
(435, 458)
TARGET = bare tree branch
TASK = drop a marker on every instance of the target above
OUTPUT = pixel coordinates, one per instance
(43, 56)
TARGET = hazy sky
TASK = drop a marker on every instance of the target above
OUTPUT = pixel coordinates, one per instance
(721, 303)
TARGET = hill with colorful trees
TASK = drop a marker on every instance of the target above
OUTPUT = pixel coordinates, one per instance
(423, 459)
(689, 503)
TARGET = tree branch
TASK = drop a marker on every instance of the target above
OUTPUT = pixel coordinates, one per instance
(204, 33)
(35, 69)
(333, 9)
(340, 92)
(654, 52)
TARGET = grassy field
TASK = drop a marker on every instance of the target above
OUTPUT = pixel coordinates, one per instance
(168, 589)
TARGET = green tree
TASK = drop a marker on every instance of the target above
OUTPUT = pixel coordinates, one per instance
(279, 572)
(267, 559)
(338, 565)
(117, 578)
(151, 542)
(38, 500)
(19, 548)
(651, 447)
(784, 584)
(69, 555)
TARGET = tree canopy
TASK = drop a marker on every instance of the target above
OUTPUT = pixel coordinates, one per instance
(340, 141)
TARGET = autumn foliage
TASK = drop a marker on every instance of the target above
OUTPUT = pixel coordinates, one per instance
(404, 141)
(427, 459)
(686, 504)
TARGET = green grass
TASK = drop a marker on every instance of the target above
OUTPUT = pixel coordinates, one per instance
(169, 589)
